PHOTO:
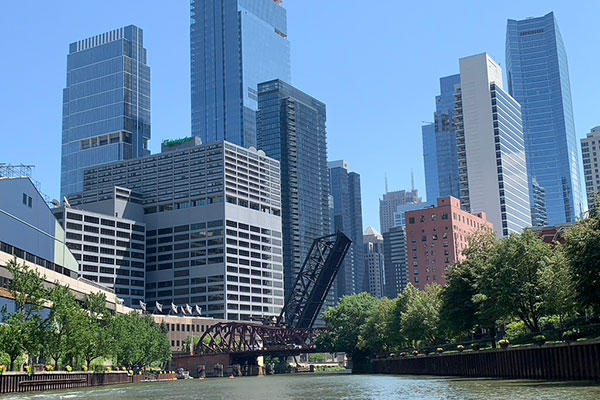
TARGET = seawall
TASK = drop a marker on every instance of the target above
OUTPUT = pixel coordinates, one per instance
(578, 361)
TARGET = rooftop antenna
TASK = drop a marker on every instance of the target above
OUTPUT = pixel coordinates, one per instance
(412, 180)
(386, 184)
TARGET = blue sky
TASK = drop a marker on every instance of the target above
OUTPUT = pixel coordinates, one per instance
(376, 64)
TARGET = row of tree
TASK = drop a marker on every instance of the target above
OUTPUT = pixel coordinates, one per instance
(51, 325)
(517, 281)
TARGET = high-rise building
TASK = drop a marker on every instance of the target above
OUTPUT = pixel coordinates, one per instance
(539, 217)
(388, 206)
(374, 262)
(213, 225)
(347, 218)
(235, 45)
(538, 78)
(491, 148)
(395, 261)
(590, 151)
(437, 237)
(291, 129)
(439, 144)
(106, 104)
(110, 251)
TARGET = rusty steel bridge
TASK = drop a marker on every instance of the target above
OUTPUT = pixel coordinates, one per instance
(292, 332)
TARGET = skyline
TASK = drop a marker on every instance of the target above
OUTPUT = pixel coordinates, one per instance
(373, 107)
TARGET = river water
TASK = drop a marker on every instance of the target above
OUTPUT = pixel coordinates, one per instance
(331, 386)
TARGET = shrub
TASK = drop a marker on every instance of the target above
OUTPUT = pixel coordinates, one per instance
(3, 369)
(460, 348)
(30, 370)
(84, 368)
(571, 335)
(98, 368)
(539, 340)
(50, 367)
(69, 368)
(504, 343)
(476, 346)
(517, 332)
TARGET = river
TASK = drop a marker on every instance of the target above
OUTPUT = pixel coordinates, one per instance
(330, 387)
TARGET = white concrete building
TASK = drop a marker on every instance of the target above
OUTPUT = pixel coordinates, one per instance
(590, 150)
(491, 149)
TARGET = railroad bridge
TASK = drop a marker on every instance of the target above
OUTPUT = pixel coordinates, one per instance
(292, 332)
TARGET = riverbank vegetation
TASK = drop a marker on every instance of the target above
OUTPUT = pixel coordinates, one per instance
(51, 326)
(518, 289)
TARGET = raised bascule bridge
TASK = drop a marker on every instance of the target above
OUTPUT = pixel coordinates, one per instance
(289, 334)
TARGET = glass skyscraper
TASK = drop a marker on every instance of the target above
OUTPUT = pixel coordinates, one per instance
(347, 218)
(538, 78)
(106, 104)
(235, 45)
(439, 145)
(291, 129)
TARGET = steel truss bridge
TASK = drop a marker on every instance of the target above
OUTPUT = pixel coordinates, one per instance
(292, 332)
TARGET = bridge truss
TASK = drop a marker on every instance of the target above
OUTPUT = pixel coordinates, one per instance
(292, 331)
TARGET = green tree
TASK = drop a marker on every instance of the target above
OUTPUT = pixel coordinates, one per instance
(462, 309)
(421, 318)
(11, 340)
(582, 247)
(63, 325)
(377, 334)
(93, 338)
(558, 286)
(27, 288)
(345, 323)
(511, 285)
(139, 341)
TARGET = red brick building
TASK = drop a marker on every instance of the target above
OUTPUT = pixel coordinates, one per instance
(436, 238)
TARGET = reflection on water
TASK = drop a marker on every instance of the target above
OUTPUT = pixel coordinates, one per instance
(328, 386)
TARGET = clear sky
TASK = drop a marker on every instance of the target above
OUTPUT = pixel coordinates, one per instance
(376, 64)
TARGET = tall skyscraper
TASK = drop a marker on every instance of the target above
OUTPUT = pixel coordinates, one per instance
(491, 148)
(235, 45)
(590, 151)
(538, 78)
(439, 144)
(395, 260)
(291, 129)
(388, 206)
(347, 218)
(106, 104)
(374, 262)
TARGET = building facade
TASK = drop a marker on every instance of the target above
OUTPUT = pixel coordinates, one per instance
(491, 147)
(538, 78)
(213, 225)
(440, 146)
(106, 104)
(110, 251)
(235, 45)
(29, 231)
(590, 152)
(347, 218)
(539, 216)
(291, 129)
(374, 262)
(395, 260)
(437, 237)
(388, 206)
